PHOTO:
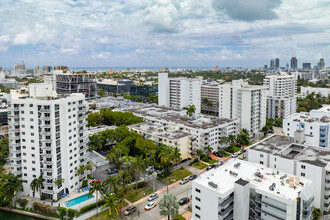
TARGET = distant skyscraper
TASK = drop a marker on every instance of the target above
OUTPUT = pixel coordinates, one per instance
(20, 68)
(277, 63)
(37, 69)
(287, 66)
(321, 64)
(216, 68)
(294, 63)
(47, 69)
(272, 64)
(306, 66)
(61, 68)
(265, 67)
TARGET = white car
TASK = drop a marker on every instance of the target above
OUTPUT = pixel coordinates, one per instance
(153, 196)
(234, 155)
(185, 180)
(150, 205)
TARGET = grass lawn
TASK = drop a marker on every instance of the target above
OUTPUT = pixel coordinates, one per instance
(199, 165)
(226, 154)
(133, 195)
(176, 175)
(212, 161)
(101, 216)
(237, 149)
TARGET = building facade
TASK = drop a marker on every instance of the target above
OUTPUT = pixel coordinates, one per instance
(287, 154)
(294, 63)
(179, 92)
(210, 98)
(239, 100)
(282, 95)
(324, 92)
(47, 138)
(314, 126)
(243, 190)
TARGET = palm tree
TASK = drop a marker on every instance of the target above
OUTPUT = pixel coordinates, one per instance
(81, 170)
(231, 139)
(97, 188)
(59, 182)
(36, 184)
(176, 155)
(14, 184)
(127, 162)
(94, 143)
(164, 156)
(168, 206)
(205, 101)
(114, 204)
(125, 178)
(223, 140)
(191, 109)
(88, 166)
(113, 183)
(139, 164)
(208, 149)
(243, 139)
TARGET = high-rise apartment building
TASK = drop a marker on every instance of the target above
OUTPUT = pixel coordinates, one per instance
(289, 155)
(239, 100)
(294, 63)
(37, 69)
(321, 64)
(277, 63)
(61, 67)
(306, 66)
(47, 69)
(20, 68)
(210, 97)
(241, 190)
(47, 137)
(282, 95)
(179, 92)
(272, 64)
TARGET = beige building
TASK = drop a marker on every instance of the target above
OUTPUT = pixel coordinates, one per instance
(171, 136)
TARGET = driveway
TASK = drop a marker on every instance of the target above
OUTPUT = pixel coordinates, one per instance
(100, 173)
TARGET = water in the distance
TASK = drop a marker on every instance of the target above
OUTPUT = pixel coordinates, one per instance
(14, 216)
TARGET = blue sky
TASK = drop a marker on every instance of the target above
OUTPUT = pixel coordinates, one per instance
(130, 33)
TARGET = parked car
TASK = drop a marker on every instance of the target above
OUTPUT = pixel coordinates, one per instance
(150, 205)
(219, 163)
(215, 153)
(184, 181)
(184, 200)
(234, 155)
(210, 167)
(111, 171)
(130, 210)
(153, 196)
(94, 181)
(192, 177)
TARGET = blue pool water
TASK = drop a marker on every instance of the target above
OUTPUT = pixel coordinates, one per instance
(77, 200)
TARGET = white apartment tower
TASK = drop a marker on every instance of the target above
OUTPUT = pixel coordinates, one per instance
(241, 190)
(239, 100)
(282, 95)
(47, 137)
(179, 92)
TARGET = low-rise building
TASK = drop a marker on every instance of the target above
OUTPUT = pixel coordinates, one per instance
(207, 129)
(312, 127)
(243, 190)
(324, 92)
(304, 161)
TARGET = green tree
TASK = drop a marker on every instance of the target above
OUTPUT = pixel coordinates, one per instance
(36, 184)
(58, 182)
(317, 214)
(113, 204)
(81, 170)
(243, 139)
(113, 182)
(168, 206)
(4, 152)
(191, 109)
(22, 203)
(97, 188)
(102, 93)
(208, 149)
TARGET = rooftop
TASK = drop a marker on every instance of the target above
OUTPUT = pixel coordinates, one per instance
(179, 117)
(222, 179)
(286, 148)
(158, 130)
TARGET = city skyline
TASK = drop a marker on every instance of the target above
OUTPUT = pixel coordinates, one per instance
(163, 32)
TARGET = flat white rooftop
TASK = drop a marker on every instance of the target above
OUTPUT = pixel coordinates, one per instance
(260, 177)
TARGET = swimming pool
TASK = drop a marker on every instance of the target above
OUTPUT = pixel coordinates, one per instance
(77, 200)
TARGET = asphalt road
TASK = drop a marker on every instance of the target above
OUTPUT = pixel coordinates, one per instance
(179, 192)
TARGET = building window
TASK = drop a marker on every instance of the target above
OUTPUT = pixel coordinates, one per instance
(303, 167)
(198, 216)
(302, 174)
(31, 119)
(31, 112)
(198, 190)
(274, 166)
(33, 169)
(198, 199)
(261, 162)
(261, 155)
(197, 207)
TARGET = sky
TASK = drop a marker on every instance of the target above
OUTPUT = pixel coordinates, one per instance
(163, 33)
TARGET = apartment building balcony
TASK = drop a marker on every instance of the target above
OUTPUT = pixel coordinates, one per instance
(326, 199)
(46, 184)
(327, 177)
(82, 123)
(46, 162)
(15, 116)
(83, 117)
(260, 201)
(16, 172)
(45, 132)
(327, 192)
(44, 110)
(82, 137)
(322, 137)
(15, 164)
(14, 123)
(258, 209)
(46, 141)
(83, 149)
(45, 169)
(43, 147)
(14, 150)
(43, 117)
(15, 158)
(226, 202)
(47, 191)
(45, 125)
(322, 131)
(224, 212)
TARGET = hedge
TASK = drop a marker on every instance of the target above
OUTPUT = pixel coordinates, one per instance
(91, 206)
(178, 217)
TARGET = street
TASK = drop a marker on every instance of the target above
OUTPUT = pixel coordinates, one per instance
(179, 192)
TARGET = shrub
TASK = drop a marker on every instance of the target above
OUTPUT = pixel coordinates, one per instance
(195, 160)
(72, 213)
(91, 206)
(84, 183)
(35, 207)
(230, 149)
(89, 176)
(62, 211)
(22, 203)
(207, 158)
(43, 197)
(141, 184)
(51, 210)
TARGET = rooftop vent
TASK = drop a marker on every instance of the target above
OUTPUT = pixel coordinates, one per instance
(213, 185)
(272, 187)
(258, 174)
(233, 173)
(237, 165)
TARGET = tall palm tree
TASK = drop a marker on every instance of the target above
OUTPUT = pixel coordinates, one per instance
(13, 185)
(139, 164)
(127, 162)
(175, 155)
(165, 156)
(36, 184)
(208, 149)
(81, 170)
(94, 143)
(243, 139)
(125, 177)
(97, 188)
(114, 204)
(113, 182)
(88, 166)
(191, 109)
(223, 140)
(231, 139)
(58, 182)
